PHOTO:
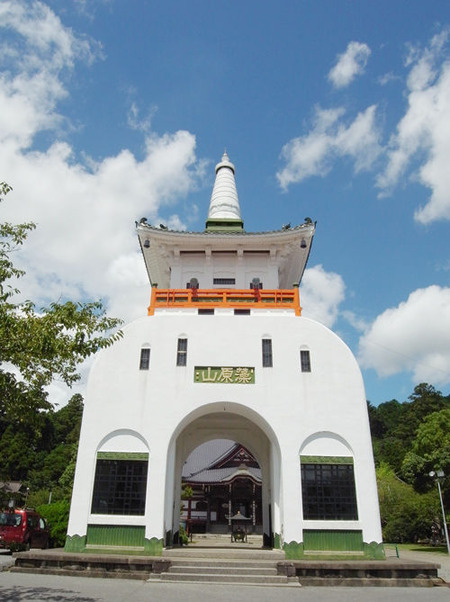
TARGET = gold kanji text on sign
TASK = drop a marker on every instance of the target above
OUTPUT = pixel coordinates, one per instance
(234, 375)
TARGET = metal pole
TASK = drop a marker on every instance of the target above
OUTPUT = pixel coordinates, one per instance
(443, 516)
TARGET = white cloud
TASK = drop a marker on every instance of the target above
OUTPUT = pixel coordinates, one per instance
(85, 246)
(413, 337)
(142, 124)
(349, 64)
(329, 139)
(387, 78)
(321, 294)
(357, 322)
(420, 147)
(85, 243)
(34, 60)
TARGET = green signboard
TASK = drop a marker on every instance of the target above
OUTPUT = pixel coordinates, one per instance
(225, 375)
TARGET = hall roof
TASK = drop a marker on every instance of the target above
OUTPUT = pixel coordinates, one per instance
(224, 475)
(220, 461)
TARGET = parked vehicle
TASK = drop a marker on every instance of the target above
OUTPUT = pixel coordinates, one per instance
(23, 529)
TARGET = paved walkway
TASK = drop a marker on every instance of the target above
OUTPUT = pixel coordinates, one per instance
(19, 587)
(6, 560)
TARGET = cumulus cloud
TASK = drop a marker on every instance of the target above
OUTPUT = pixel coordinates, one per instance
(349, 64)
(412, 337)
(420, 147)
(84, 244)
(321, 294)
(329, 139)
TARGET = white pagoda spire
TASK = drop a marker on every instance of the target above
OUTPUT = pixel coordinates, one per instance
(224, 210)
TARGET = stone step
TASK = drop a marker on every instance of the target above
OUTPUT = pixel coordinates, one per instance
(217, 570)
(223, 553)
(234, 579)
(219, 563)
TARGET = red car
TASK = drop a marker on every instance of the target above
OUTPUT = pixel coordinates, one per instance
(23, 529)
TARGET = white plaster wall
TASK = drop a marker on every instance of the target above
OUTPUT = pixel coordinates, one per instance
(229, 265)
(297, 406)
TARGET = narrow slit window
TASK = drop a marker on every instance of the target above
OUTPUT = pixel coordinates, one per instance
(144, 363)
(267, 359)
(182, 352)
(305, 361)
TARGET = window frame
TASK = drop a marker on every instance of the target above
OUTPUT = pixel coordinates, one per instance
(305, 360)
(329, 491)
(182, 351)
(144, 360)
(217, 281)
(120, 487)
(242, 312)
(267, 353)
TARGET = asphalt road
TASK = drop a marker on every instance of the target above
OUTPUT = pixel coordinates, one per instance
(19, 587)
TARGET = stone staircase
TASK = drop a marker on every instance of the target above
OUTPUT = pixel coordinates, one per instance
(224, 566)
(214, 560)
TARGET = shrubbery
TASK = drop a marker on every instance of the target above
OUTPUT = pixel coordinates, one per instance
(57, 517)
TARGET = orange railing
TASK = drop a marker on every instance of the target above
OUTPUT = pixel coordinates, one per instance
(236, 298)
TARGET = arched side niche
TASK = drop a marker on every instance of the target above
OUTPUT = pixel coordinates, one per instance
(123, 440)
(225, 420)
(328, 481)
(325, 443)
(122, 461)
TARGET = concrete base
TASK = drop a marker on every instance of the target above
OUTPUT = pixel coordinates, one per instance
(231, 565)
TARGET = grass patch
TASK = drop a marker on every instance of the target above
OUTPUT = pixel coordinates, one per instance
(338, 556)
(418, 547)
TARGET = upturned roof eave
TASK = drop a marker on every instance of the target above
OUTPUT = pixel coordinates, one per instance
(156, 243)
(164, 234)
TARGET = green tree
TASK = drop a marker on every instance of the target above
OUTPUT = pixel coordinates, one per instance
(406, 516)
(39, 346)
(430, 451)
(394, 425)
(424, 401)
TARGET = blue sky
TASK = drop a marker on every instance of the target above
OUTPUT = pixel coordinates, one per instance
(340, 111)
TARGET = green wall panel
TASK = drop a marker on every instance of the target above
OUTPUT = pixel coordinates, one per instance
(326, 459)
(153, 546)
(75, 543)
(342, 541)
(115, 535)
(122, 456)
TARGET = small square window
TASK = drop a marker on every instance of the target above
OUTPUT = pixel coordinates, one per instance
(267, 360)
(241, 312)
(305, 361)
(182, 352)
(144, 363)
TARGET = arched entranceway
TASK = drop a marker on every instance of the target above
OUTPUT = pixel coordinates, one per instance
(235, 422)
(221, 484)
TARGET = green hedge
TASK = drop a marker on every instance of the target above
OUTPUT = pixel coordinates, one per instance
(57, 517)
